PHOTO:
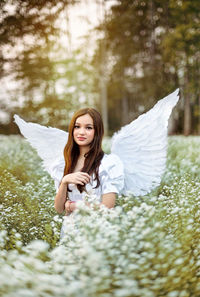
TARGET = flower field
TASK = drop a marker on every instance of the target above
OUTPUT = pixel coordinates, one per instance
(146, 246)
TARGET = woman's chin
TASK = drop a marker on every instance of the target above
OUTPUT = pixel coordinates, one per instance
(82, 143)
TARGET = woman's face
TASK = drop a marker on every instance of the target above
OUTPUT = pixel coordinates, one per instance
(84, 130)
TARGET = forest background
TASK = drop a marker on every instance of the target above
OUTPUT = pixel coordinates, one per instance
(137, 52)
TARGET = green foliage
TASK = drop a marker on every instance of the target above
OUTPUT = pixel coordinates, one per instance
(146, 246)
(26, 193)
(52, 81)
(152, 48)
(67, 86)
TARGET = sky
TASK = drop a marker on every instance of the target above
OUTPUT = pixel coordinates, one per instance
(83, 17)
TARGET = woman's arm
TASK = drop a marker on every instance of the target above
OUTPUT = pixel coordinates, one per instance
(74, 178)
(61, 198)
(107, 199)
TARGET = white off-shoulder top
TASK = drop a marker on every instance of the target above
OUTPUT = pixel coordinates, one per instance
(111, 176)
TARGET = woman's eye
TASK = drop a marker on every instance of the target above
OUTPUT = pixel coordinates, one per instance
(76, 126)
(89, 128)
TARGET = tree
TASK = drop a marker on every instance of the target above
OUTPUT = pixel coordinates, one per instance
(28, 32)
(180, 48)
(153, 46)
(53, 82)
(135, 56)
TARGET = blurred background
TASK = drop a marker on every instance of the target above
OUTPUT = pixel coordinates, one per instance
(120, 57)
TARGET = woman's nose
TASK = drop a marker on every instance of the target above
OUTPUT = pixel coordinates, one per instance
(82, 131)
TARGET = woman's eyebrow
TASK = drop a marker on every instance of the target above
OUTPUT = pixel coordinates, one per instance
(77, 123)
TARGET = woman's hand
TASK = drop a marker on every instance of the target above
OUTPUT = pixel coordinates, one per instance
(69, 207)
(77, 178)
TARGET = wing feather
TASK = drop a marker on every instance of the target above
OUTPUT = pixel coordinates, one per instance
(142, 147)
(49, 143)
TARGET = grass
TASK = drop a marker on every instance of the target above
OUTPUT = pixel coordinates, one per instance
(147, 246)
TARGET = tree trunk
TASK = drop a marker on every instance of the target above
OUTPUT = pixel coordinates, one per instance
(187, 107)
(172, 123)
(187, 115)
(103, 99)
(125, 115)
(103, 78)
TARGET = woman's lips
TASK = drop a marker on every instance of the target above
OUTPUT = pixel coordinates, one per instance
(81, 138)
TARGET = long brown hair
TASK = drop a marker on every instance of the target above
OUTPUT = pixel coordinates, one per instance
(94, 155)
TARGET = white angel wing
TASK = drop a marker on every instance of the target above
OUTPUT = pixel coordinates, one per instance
(49, 143)
(142, 147)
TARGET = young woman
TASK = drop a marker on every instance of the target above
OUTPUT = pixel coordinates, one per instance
(86, 166)
(87, 169)
(135, 166)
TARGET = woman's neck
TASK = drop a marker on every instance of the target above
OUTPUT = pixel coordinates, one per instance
(83, 150)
